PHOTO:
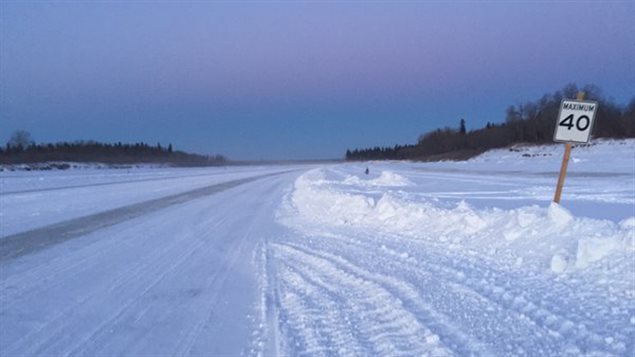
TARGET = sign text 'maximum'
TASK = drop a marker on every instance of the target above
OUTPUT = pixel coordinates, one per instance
(579, 106)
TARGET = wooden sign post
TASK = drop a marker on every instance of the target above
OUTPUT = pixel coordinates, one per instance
(574, 124)
(563, 172)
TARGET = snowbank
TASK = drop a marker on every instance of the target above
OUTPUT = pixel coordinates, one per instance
(386, 179)
(546, 237)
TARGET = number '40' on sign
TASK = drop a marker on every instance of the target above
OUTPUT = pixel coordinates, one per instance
(582, 123)
(575, 121)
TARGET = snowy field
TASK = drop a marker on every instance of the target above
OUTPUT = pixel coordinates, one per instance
(438, 259)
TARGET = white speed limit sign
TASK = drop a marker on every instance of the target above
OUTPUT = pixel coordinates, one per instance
(575, 121)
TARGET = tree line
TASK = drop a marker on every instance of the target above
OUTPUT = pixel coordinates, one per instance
(22, 149)
(530, 122)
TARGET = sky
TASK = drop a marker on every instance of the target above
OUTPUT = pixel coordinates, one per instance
(268, 80)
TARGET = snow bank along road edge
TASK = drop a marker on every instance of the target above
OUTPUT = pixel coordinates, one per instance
(24, 243)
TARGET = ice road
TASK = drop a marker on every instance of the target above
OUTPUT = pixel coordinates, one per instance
(413, 259)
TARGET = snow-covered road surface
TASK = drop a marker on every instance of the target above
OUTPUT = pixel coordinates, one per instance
(178, 281)
(413, 259)
(36, 239)
(39, 199)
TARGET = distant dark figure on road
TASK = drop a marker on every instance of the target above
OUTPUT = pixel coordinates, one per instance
(366, 172)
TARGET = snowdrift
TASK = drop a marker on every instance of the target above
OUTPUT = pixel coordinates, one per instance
(542, 237)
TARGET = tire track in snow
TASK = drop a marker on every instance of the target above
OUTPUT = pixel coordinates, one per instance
(452, 336)
(500, 290)
(315, 309)
(554, 331)
(263, 319)
(384, 321)
(270, 334)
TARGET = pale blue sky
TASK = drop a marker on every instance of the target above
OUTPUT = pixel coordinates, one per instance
(291, 80)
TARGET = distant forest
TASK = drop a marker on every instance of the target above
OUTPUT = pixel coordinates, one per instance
(531, 122)
(22, 149)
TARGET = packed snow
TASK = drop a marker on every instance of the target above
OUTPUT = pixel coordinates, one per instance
(438, 259)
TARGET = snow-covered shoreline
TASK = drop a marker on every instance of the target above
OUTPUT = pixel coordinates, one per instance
(71, 165)
(600, 155)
